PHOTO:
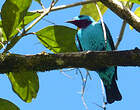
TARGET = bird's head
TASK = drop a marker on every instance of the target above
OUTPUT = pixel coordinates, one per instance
(81, 21)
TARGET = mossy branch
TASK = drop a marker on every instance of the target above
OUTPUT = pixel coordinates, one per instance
(90, 60)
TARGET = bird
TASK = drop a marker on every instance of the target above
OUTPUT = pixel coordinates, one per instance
(90, 37)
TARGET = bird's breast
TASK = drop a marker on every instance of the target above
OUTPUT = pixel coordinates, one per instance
(91, 38)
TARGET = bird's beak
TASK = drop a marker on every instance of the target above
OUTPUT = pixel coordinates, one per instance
(70, 21)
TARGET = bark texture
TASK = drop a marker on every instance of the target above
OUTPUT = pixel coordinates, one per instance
(90, 60)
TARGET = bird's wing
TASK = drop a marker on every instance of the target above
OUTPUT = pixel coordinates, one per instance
(109, 37)
(78, 44)
(110, 40)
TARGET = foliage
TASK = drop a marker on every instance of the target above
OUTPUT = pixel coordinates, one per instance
(6, 105)
(25, 84)
(53, 38)
(13, 12)
(92, 10)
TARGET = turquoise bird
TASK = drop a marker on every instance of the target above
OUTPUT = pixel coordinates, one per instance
(90, 36)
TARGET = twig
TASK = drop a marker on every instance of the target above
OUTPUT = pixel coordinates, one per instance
(84, 102)
(49, 21)
(99, 105)
(67, 6)
(83, 88)
(29, 33)
(89, 74)
(84, 84)
(122, 28)
(103, 93)
(42, 5)
(68, 76)
(82, 77)
(103, 25)
(45, 12)
(84, 80)
(121, 34)
(69, 69)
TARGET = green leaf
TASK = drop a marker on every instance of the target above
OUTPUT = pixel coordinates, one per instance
(137, 12)
(25, 84)
(133, 1)
(3, 38)
(58, 38)
(91, 10)
(7, 105)
(30, 16)
(2, 34)
(12, 13)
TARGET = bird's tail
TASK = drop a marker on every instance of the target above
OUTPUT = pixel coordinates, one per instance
(109, 77)
(112, 92)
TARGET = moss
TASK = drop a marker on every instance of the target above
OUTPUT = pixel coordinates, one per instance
(59, 61)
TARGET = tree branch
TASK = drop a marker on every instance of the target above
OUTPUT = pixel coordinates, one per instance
(116, 6)
(90, 60)
(123, 12)
(67, 6)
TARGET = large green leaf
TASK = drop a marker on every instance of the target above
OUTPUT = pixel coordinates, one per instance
(2, 32)
(30, 16)
(91, 10)
(12, 13)
(3, 38)
(58, 38)
(133, 1)
(7, 105)
(25, 84)
(137, 12)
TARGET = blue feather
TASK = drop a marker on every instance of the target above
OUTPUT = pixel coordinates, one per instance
(91, 37)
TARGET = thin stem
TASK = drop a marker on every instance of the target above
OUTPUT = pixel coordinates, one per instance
(121, 34)
(67, 6)
(123, 28)
(84, 102)
(84, 80)
(68, 76)
(103, 25)
(105, 38)
(103, 93)
(89, 74)
(45, 12)
(42, 5)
